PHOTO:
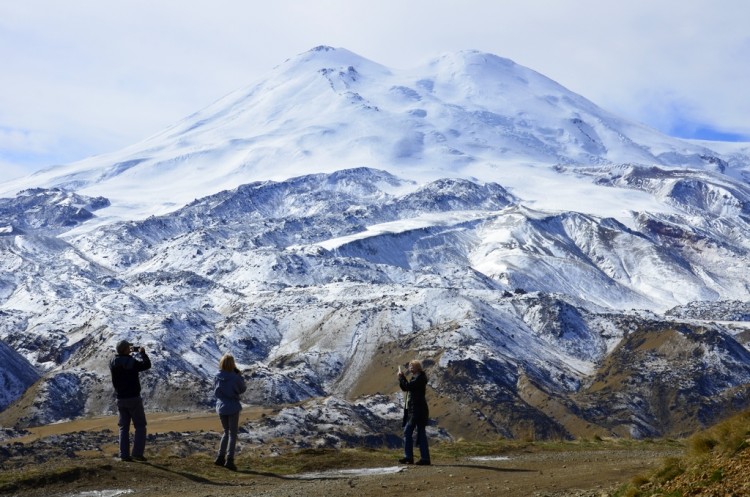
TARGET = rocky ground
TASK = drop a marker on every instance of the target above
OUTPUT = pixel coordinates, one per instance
(523, 474)
(77, 459)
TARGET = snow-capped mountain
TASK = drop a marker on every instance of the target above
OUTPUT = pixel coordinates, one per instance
(338, 218)
(466, 114)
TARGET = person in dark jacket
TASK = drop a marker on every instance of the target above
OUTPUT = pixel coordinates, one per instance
(416, 413)
(228, 386)
(125, 369)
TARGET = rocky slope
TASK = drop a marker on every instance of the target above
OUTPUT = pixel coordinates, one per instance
(322, 285)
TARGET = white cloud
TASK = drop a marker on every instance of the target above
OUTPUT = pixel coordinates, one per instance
(97, 76)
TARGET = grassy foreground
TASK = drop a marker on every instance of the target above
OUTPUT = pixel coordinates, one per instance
(716, 463)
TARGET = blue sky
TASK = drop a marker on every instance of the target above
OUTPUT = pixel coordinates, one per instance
(85, 77)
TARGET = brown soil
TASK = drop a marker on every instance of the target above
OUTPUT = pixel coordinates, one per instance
(158, 422)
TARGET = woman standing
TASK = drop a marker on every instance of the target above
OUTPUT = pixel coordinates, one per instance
(416, 413)
(228, 385)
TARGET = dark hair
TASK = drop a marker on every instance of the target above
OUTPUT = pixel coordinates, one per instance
(122, 346)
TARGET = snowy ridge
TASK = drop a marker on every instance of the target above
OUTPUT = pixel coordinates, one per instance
(310, 281)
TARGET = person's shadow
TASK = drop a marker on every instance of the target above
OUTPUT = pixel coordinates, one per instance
(488, 468)
(263, 473)
(206, 481)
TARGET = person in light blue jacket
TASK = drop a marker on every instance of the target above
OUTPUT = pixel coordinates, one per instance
(228, 386)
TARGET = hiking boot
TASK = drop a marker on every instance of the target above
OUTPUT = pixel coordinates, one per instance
(140, 458)
(230, 465)
(126, 459)
(220, 461)
(422, 462)
(406, 460)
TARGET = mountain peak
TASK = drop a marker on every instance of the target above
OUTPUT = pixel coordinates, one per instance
(326, 57)
(322, 48)
(328, 109)
(491, 78)
(467, 58)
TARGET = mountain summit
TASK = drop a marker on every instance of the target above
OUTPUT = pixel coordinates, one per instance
(466, 114)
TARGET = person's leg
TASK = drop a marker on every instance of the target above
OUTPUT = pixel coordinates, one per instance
(124, 423)
(234, 425)
(229, 440)
(139, 422)
(424, 449)
(220, 457)
(408, 443)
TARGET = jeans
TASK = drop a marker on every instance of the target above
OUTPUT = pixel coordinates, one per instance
(424, 451)
(132, 410)
(230, 423)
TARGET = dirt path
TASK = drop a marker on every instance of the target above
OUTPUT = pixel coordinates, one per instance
(526, 473)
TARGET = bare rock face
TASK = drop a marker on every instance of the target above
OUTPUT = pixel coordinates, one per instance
(49, 211)
(16, 375)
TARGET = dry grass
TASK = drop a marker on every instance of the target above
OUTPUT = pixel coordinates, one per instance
(716, 463)
(158, 422)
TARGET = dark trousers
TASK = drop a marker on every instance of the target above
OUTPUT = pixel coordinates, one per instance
(424, 450)
(132, 410)
(230, 423)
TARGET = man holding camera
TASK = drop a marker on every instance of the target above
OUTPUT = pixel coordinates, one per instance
(125, 368)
